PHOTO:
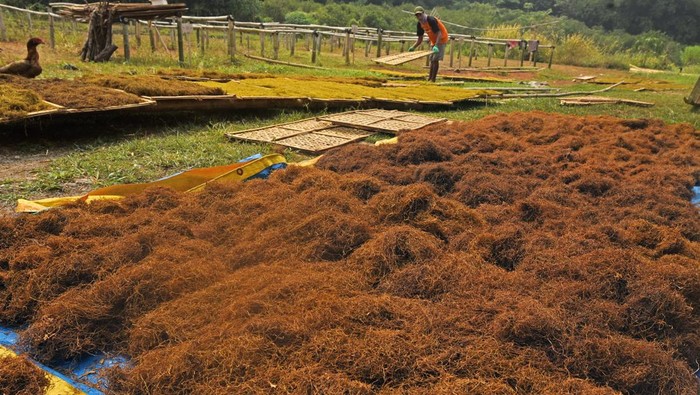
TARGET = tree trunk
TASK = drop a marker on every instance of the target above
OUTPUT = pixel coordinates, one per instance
(98, 46)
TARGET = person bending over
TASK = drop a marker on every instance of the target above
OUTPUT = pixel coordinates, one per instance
(437, 33)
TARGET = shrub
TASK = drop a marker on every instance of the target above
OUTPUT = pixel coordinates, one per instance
(578, 50)
(691, 55)
(298, 18)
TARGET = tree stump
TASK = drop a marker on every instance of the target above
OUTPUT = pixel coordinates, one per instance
(98, 46)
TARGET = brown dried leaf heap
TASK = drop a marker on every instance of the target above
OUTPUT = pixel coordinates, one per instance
(525, 253)
(75, 94)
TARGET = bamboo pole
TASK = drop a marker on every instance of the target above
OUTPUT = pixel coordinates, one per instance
(505, 56)
(452, 51)
(521, 95)
(379, 43)
(162, 41)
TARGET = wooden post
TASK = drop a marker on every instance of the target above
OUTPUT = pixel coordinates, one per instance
(347, 47)
(505, 56)
(488, 63)
(452, 51)
(125, 35)
(379, 43)
(551, 55)
(275, 45)
(3, 29)
(534, 58)
(459, 52)
(471, 51)
(180, 42)
(319, 38)
(403, 46)
(151, 36)
(202, 43)
(388, 47)
(137, 32)
(292, 44)
(231, 38)
(52, 30)
(262, 43)
(523, 44)
(368, 43)
(313, 49)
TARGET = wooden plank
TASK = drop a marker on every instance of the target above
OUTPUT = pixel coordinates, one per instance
(402, 58)
(591, 100)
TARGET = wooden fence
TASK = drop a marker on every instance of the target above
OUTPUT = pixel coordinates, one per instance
(246, 38)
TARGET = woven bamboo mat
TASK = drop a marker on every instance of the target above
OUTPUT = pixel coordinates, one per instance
(315, 135)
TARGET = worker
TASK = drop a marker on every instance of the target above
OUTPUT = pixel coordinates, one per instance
(437, 33)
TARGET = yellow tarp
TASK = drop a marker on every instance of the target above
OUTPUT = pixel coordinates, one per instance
(188, 181)
(58, 386)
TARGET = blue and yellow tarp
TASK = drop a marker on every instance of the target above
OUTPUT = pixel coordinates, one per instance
(194, 180)
(59, 383)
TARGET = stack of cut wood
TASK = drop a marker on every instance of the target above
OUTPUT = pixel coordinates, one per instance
(120, 10)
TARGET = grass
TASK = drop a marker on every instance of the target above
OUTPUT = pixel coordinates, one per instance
(141, 149)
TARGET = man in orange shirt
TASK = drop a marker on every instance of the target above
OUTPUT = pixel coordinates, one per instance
(437, 33)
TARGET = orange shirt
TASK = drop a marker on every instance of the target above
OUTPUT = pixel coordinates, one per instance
(431, 26)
